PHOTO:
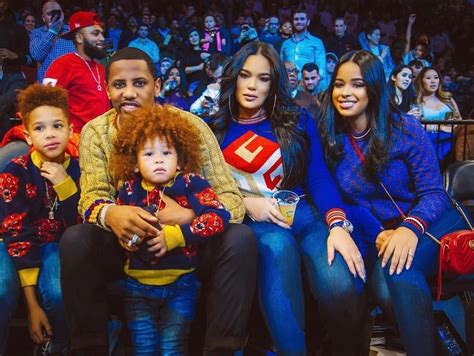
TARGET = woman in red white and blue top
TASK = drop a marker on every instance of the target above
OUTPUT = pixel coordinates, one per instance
(271, 145)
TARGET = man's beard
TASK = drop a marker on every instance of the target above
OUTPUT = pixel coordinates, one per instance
(93, 51)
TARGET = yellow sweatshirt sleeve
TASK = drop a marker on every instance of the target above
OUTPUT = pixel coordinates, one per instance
(29, 276)
(67, 188)
(173, 237)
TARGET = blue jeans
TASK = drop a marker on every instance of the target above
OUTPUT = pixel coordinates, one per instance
(281, 253)
(159, 317)
(409, 292)
(48, 291)
(8, 294)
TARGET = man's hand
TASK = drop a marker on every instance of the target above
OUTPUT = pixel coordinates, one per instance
(125, 221)
(57, 25)
(174, 214)
(54, 172)
(158, 244)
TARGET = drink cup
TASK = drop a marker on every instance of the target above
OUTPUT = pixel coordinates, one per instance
(416, 110)
(287, 202)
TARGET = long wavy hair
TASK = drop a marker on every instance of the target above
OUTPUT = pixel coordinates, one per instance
(333, 126)
(279, 108)
(408, 95)
(444, 96)
(183, 86)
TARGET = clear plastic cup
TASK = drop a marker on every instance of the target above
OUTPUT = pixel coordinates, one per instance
(287, 202)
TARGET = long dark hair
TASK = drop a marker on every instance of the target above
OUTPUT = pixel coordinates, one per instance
(408, 95)
(333, 126)
(183, 86)
(280, 110)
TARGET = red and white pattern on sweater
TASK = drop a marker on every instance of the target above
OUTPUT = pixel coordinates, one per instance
(207, 225)
(8, 186)
(256, 163)
(12, 224)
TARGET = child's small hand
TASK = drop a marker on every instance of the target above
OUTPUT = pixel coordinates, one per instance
(39, 327)
(158, 244)
(54, 172)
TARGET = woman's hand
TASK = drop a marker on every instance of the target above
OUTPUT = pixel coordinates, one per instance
(382, 238)
(401, 247)
(411, 19)
(264, 209)
(341, 241)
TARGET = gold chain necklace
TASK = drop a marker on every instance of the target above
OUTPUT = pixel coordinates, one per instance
(97, 80)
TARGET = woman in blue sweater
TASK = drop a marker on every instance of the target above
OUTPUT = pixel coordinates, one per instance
(271, 145)
(372, 151)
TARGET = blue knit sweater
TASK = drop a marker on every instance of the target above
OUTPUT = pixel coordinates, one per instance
(411, 176)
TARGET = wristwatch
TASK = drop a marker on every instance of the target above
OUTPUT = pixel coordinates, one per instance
(345, 224)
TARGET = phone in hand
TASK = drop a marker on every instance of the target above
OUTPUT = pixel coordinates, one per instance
(55, 15)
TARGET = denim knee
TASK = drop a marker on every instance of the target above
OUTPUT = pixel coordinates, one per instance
(9, 290)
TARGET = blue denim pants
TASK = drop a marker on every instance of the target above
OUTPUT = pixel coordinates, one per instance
(48, 291)
(408, 294)
(159, 317)
(341, 297)
(8, 294)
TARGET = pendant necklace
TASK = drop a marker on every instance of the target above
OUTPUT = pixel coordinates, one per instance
(52, 205)
(97, 80)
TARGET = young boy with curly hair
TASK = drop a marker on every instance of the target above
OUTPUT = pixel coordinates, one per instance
(39, 197)
(156, 153)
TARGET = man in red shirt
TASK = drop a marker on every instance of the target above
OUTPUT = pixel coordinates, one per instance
(79, 72)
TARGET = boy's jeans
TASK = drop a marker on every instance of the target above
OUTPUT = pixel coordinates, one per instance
(159, 317)
(48, 291)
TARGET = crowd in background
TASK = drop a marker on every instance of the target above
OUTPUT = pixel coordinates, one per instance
(243, 65)
(183, 38)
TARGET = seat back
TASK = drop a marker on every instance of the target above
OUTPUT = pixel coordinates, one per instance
(459, 181)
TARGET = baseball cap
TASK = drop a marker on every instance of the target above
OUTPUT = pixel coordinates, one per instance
(79, 20)
(331, 55)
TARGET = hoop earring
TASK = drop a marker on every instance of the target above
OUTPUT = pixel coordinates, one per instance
(273, 109)
(230, 108)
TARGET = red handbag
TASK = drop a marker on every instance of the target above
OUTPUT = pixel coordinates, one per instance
(456, 254)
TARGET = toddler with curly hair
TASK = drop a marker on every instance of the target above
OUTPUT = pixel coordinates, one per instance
(155, 156)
